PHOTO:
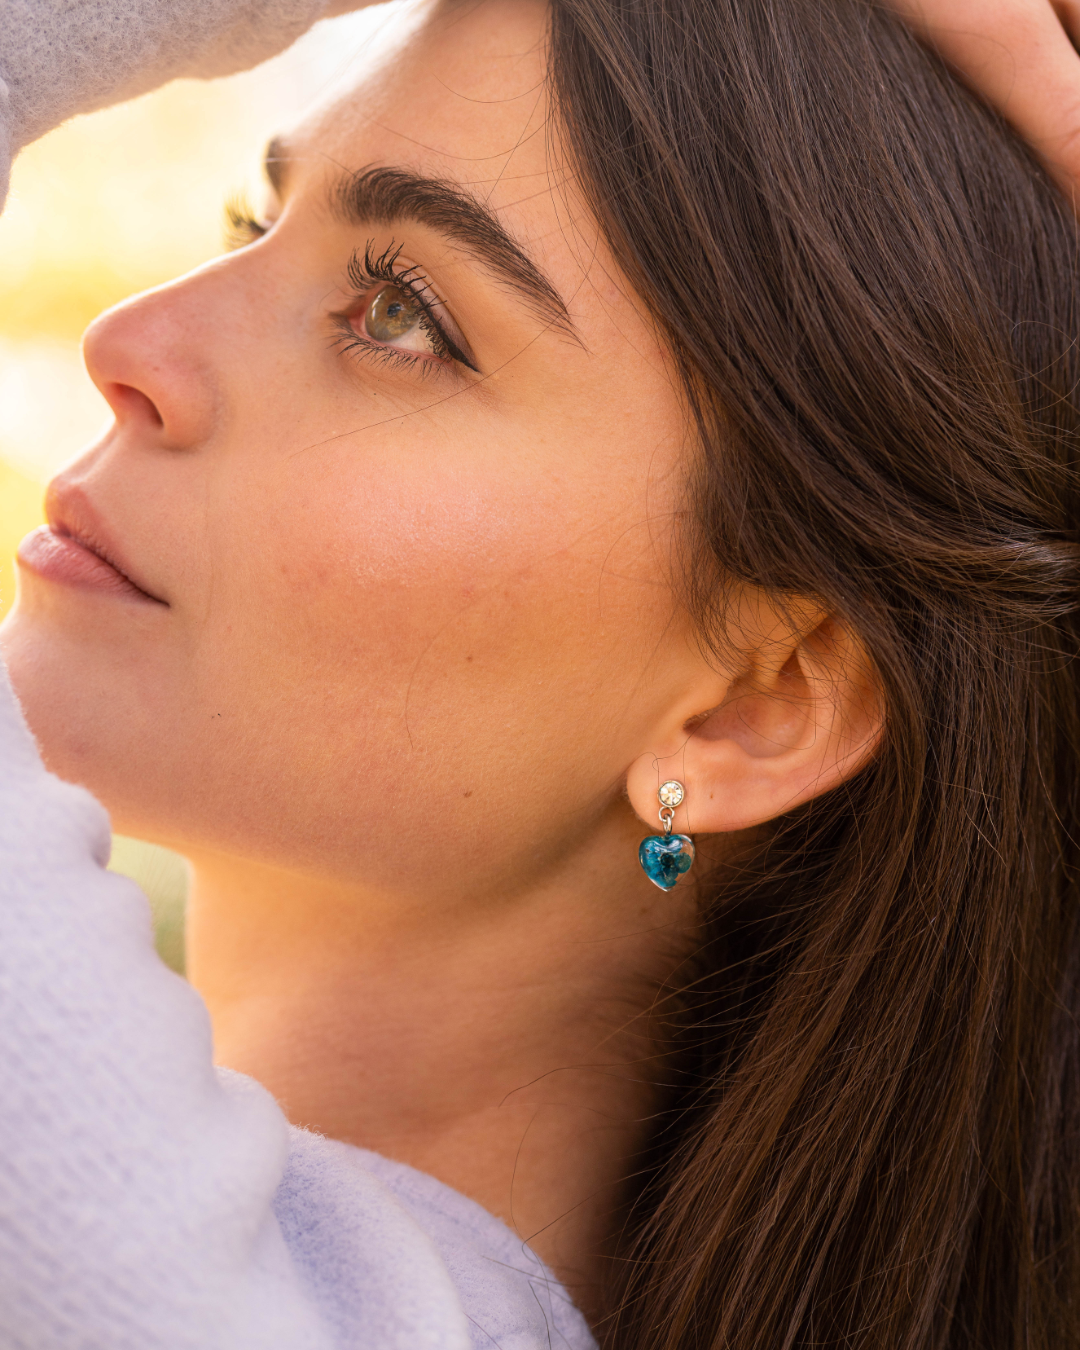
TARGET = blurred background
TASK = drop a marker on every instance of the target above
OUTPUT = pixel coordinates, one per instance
(107, 205)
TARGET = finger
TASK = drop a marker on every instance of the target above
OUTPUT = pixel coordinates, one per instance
(1018, 55)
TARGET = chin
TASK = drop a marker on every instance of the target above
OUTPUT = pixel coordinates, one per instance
(86, 707)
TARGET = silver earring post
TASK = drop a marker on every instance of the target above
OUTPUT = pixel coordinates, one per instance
(670, 795)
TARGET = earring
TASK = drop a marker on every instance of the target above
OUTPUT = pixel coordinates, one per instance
(665, 857)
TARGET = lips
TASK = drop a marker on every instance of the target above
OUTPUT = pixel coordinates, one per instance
(73, 551)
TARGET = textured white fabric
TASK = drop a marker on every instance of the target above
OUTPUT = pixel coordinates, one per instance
(148, 1202)
(61, 57)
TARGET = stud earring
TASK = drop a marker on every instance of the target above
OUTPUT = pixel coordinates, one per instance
(665, 857)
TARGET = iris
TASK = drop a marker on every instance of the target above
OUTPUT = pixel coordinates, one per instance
(392, 315)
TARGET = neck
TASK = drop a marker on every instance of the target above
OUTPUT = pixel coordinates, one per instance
(504, 1049)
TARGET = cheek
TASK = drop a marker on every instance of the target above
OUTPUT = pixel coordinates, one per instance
(400, 580)
(435, 629)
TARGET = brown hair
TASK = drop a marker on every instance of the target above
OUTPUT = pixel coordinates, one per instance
(870, 289)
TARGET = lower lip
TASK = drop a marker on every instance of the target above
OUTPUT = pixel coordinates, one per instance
(56, 557)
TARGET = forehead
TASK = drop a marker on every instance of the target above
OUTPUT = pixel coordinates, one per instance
(458, 92)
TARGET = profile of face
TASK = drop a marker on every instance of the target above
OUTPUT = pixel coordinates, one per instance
(377, 571)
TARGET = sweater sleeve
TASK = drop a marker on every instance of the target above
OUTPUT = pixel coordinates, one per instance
(136, 1183)
(62, 57)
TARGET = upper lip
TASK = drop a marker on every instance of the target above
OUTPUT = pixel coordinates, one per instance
(72, 516)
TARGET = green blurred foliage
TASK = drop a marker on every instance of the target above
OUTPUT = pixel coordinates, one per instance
(164, 880)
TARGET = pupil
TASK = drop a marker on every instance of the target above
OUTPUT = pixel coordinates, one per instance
(391, 315)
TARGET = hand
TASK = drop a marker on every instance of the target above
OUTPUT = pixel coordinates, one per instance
(1019, 55)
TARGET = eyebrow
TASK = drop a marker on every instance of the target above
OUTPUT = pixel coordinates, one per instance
(387, 195)
(275, 162)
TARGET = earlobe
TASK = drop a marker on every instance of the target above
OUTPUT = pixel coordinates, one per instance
(802, 718)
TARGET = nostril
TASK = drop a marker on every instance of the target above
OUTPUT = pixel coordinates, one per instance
(128, 402)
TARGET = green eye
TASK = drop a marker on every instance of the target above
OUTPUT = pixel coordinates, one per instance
(392, 315)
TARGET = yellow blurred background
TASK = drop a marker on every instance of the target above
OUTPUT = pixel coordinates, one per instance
(101, 208)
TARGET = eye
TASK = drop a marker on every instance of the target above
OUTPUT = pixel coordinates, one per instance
(397, 318)
(396, 314)
(241, 226)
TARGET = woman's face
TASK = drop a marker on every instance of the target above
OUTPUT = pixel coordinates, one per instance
(408, 543)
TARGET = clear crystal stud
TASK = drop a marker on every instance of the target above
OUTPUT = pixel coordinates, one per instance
(671, 793)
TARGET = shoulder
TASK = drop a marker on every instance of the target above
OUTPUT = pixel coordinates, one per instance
(399, 1255)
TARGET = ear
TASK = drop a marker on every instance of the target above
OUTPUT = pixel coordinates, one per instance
(803, 714)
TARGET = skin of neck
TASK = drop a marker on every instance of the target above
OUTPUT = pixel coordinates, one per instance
(503, 1044)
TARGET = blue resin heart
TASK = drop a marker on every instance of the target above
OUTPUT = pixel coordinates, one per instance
(665, 857)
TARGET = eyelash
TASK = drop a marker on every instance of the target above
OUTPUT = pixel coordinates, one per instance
(241, 229)
(363, 273)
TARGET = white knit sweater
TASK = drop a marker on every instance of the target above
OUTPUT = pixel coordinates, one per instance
(148, 1202)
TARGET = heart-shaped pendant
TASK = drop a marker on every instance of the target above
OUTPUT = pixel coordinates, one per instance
(665, 857)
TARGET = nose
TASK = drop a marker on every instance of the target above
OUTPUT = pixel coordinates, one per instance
(152, 359)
